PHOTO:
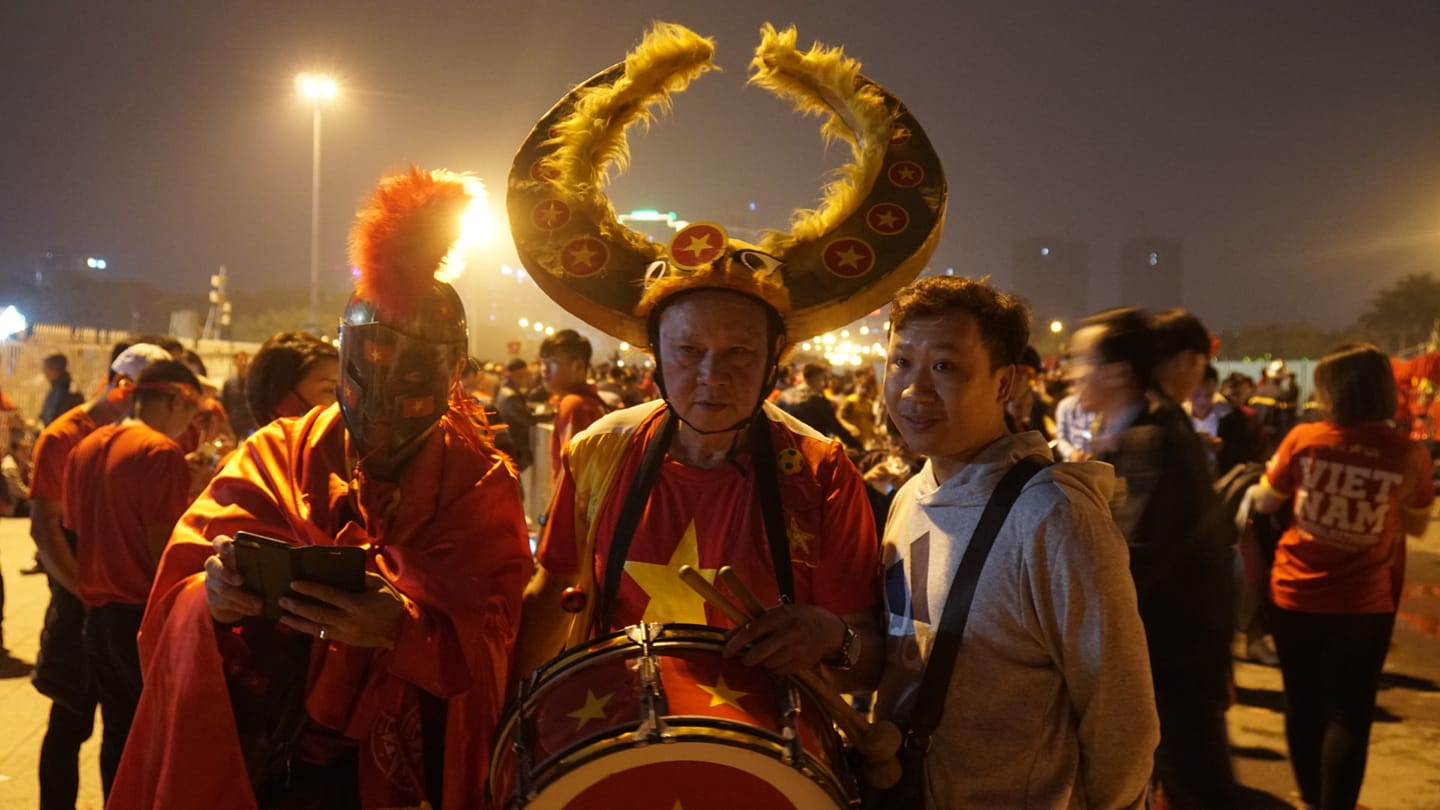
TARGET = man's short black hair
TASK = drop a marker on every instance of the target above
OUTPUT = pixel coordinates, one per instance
(1126, 337)
(569, 343)
(57, 361)
(515, 365)
(1004, 321)
(1178, 331)
(164, 371)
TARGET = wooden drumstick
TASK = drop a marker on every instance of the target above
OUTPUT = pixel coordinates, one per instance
(881, 738)
(878, 742)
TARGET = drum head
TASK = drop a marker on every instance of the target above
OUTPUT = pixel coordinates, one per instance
(692, 776)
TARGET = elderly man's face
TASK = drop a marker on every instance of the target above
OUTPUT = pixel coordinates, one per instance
(712, 352)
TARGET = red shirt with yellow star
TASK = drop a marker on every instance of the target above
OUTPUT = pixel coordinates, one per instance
(711, 518)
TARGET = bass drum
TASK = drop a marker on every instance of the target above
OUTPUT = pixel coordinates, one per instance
(655, 716)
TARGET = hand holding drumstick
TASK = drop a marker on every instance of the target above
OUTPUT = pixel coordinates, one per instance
(878, 742)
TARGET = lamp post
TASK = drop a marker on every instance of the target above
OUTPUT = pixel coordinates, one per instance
(318, 89)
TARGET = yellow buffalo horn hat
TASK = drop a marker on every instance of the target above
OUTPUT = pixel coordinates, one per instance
(873, 231)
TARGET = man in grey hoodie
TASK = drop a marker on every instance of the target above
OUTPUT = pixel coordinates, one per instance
(1050, 703)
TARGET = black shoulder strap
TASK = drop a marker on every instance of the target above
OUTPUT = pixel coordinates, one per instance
(768, 488)
(930, 701)
(629, 518)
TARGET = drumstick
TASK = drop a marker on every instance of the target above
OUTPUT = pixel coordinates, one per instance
(878, 737)
(878, 742)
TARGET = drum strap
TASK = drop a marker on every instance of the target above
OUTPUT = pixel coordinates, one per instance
(930, 700)
(768, 488)
(629, 518)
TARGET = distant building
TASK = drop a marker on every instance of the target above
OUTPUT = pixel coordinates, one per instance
(1053, 274)
(1152, 272)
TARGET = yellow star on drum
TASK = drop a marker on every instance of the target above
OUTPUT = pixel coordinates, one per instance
(671, 600)
(594, 709)
(721, 693)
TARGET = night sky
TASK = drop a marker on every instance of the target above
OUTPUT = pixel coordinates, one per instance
(1294, 147)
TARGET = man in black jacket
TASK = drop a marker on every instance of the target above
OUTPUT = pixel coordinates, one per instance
(1180, 557)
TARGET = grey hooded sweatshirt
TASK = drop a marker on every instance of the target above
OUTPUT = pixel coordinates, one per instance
(1050, 704)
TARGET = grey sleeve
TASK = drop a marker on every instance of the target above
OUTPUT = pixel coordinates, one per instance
(1079, 575)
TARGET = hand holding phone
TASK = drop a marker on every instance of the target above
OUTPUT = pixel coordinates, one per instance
(268, 566)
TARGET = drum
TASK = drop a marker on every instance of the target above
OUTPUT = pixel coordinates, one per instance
(655, 717)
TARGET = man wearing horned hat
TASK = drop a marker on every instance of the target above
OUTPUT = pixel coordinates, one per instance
(713, 475)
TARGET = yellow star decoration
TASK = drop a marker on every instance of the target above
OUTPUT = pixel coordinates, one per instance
(906, 173)
(886, 219)
(799, 539)
(722, 693)
(849, 257)
(552, 213)
(594, 709)
(698, 245)
(671, 600)
(583, 255)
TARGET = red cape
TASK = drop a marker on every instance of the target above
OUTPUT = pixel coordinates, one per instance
(455, 544)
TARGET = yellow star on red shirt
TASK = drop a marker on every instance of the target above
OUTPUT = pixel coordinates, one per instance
(671, 600)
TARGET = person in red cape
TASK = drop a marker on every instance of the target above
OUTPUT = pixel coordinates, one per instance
(383, 699)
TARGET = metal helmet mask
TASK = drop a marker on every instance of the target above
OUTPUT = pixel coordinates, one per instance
(403, 338)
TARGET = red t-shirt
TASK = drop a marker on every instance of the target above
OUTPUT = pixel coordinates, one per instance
(134, 479)
(52, 451)
(709, 518)
(576, 412)
(1350, 485)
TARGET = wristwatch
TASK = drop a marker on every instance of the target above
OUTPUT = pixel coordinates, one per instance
(849, 653)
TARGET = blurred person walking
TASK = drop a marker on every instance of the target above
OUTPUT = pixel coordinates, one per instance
(59, 398)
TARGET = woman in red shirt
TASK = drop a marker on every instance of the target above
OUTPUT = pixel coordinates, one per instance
(1356, 486)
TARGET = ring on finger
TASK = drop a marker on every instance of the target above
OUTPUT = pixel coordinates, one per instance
(324, 633)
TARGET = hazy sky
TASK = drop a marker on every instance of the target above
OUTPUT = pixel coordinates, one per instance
(1292, 146)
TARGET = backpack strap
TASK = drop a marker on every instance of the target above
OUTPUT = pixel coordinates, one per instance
(930, 701)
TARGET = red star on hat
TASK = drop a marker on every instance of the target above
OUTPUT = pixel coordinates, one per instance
(585, 256)
(550, 215)
(887, 219)
(905, 174)
(698, 245)
(542, 172)
(848, 257)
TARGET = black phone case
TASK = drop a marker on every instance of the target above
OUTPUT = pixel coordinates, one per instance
(269, 566)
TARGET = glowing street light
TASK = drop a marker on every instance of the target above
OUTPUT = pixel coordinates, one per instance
(317, 89)
(1056, 327)
(11, 322)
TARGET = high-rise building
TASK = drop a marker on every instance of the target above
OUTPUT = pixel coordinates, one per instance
(1053, 274)
(1152, 272)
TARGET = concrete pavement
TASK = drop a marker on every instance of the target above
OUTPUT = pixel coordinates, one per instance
(1403, 774)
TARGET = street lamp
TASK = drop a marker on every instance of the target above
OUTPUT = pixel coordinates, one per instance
(318, 89)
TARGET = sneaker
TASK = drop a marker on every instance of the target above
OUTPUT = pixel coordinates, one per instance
(1261, 651)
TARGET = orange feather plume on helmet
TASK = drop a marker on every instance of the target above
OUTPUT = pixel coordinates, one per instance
(403, 235)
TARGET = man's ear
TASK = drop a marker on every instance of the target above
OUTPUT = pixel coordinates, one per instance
(1007, 377)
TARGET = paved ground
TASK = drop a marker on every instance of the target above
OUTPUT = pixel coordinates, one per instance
(1404, 770)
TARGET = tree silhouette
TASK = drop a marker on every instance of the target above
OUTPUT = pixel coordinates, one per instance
(1404, 313)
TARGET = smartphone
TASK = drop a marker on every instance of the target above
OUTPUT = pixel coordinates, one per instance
(268, 566)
